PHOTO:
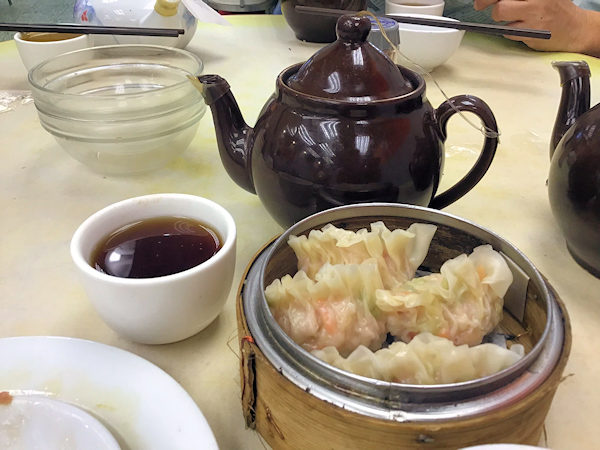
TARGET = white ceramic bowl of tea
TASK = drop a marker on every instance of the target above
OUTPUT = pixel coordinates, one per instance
(431, 7)
(37, 47)
(157, 309)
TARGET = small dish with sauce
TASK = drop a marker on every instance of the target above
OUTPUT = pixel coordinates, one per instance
(36, 47)
(157, 268)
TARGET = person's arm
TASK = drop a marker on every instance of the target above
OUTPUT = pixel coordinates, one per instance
(590, 43)
(573, 29)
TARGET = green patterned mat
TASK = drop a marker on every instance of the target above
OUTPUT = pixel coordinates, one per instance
(35, 11)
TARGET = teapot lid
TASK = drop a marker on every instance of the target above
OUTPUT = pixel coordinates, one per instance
(350, 69)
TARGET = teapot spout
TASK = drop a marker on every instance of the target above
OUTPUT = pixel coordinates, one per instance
(234, 136)
(575, 97)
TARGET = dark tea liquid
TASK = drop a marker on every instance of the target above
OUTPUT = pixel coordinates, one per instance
(155, 247)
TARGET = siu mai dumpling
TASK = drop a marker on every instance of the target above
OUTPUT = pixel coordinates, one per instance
(462, 303)
(336, 309)
(398, 253)
(427, 359)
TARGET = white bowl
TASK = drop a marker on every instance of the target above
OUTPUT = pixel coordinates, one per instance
(428, 46)
(32, 53)
(167, 308)
(431, 7)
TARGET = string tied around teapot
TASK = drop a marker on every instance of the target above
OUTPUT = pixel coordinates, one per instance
(485, 131)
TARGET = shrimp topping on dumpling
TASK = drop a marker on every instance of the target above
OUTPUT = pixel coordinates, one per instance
(427, 359)
(336, 309)
(398, 253)
(462, 303)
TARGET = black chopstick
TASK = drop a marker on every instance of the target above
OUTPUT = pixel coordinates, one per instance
(467, 26)
(90, 29)
(470, 26)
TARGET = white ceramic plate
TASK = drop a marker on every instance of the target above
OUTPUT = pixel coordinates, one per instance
(40, 422)
(140, 404)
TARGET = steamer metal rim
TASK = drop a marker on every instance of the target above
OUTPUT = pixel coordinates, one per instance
(395, 401)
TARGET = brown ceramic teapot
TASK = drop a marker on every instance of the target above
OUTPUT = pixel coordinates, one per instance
(574, 179)
(347, 126)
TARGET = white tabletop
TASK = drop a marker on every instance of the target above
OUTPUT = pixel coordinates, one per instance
(45, 195)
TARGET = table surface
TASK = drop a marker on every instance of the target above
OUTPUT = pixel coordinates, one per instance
(45, 195)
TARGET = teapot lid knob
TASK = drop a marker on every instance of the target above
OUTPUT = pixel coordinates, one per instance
(350, 69)
(353, 28)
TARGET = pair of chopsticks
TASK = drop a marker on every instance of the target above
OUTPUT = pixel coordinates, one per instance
(467, 26)
(91, 29)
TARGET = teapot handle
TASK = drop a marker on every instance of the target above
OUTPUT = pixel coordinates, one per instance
(477, 106)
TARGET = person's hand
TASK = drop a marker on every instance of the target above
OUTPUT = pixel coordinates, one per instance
(567, 22)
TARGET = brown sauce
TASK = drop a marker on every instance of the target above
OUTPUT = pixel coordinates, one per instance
(35, 36)
(155, 247)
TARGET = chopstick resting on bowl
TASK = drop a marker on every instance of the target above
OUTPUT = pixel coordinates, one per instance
(476, 27)
(90, 29)
(467, 26)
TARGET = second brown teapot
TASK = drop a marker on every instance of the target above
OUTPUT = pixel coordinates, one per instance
(347, 126)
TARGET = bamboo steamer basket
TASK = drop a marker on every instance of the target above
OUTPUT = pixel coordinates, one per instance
(296, 401)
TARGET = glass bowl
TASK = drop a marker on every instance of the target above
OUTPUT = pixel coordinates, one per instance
(120, 109)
